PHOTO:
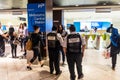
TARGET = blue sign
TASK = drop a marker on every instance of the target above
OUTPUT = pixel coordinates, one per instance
(36, 16)
(3, 27)
(96, 24)
(102, 25)
(77, 26)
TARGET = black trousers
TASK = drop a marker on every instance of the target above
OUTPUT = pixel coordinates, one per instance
(54, 60)
(63, 55)
(114, 60)
(36, 53)
(14, 50)
(21, 42)
(2, 47)
(73, 59)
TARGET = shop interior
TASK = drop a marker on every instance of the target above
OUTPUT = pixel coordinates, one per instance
(86, 20)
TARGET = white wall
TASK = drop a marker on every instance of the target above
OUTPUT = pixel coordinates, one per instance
(89, 15)
(6, 18)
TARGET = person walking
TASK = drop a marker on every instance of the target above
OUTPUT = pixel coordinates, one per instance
(54, 41)
(114, 46)
(36, 38)
(74, 46)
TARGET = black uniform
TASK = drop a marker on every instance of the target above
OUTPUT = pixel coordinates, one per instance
(74, 54)
(53, 49)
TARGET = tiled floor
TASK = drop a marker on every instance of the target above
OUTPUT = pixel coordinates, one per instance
(95, 67)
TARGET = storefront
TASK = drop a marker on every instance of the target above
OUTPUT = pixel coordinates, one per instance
(86, 20)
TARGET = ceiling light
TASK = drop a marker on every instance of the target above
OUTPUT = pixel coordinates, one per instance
(76, 5)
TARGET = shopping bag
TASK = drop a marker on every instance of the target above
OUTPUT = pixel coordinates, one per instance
(28, 45)
(106, 54)
(16, 42)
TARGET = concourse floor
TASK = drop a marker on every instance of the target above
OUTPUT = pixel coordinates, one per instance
(95, 67)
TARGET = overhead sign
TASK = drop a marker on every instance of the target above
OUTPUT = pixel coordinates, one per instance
(36, 16)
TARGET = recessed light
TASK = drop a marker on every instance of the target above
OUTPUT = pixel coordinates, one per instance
(76, 5)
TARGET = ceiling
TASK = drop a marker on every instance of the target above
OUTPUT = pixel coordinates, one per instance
(13, 4)
(84, 2)
(81, 14)
(20, 4)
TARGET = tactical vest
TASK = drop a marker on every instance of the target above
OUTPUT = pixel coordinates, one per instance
(53, 42)
(74, 44)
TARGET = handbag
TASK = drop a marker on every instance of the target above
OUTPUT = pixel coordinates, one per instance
(28, 45)
(16, 41)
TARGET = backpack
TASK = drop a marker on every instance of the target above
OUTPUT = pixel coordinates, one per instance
(28, 45)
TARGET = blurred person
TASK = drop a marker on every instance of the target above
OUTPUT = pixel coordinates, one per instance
(54, 41)
(26, 37)
(109, 29)
(95, 29)
(2, 43)
(114, 46)
(74, 46)
(63, 34)
(36, 38)
(13, 36)
(86, 29)
(43, 51)
(21, 35)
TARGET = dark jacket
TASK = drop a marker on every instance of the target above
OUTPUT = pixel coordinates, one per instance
(37, 40)
(113, 49)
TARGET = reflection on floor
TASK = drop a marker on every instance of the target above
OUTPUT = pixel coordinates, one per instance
(95, 67)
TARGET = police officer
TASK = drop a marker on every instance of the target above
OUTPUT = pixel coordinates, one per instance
(54, 40)
(74, 46)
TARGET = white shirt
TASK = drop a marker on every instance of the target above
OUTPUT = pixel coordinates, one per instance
(65, 40)
(1, 32)
(21, 31)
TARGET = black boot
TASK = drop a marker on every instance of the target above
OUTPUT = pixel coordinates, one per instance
(113, 67)
(29, 68)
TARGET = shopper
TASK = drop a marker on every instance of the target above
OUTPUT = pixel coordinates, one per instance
(74, 46)
(13, 37)
(36, 38)
(21, 35)
(26, 37)
(54, 41)
(63, 34)
(114, 46)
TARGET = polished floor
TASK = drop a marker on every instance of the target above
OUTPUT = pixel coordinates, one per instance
(95, 67)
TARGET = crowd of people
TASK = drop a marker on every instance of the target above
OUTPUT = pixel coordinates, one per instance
(58, 41)
(14, 37)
